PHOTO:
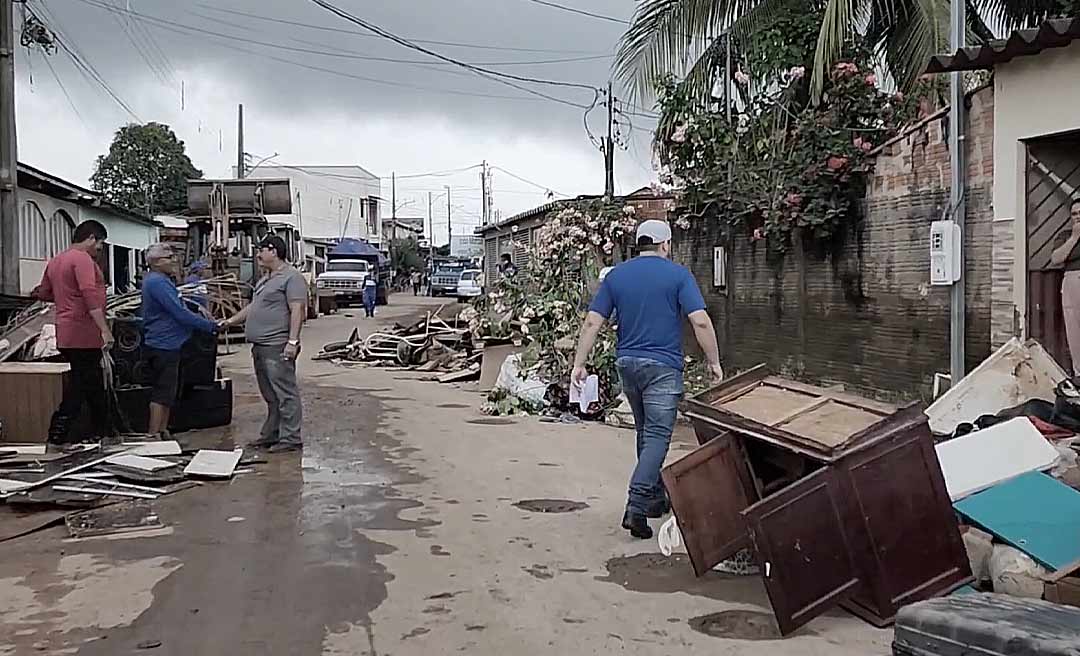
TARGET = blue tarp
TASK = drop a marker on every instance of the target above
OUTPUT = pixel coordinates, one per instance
(358, 248)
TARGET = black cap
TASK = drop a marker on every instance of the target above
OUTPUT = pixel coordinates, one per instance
(276, 243)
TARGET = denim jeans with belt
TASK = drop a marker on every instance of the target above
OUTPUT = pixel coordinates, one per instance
(653, 390)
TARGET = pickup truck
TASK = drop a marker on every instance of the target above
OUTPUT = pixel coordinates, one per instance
(445, 281)
(343, 280)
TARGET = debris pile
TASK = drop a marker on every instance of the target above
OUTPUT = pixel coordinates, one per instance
(99, 489)
(428, 344)
(978, 492)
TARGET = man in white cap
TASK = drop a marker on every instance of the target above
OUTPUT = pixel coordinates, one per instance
(651, 295)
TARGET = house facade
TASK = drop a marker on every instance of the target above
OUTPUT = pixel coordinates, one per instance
(49, 210)
(1036, 157)
(330, 202)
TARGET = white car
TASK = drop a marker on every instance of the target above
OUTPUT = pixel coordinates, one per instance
(470, 285)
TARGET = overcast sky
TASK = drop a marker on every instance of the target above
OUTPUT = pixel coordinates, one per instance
(412, 115)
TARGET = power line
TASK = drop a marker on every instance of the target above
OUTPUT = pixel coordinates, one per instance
(63, 88)
(582, 12)
(365, 34)
(529, 182)
(162, 24)
(498, 76)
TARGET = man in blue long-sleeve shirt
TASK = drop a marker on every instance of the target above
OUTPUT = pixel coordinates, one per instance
(167, 324)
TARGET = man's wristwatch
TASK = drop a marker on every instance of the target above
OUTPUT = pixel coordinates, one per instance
(294, 342)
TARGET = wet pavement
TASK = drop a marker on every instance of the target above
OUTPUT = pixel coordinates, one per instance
(403, 528)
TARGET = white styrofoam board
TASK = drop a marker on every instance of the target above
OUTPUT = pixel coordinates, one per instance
(214, 464)
(982, 459)
(7, 485)
(24, 449)
(140, 462)
(1015, 373)
(166, 448)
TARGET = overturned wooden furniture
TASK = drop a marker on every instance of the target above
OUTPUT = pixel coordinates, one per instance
(842, 499)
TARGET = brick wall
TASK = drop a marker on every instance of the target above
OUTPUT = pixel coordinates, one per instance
(866, 315)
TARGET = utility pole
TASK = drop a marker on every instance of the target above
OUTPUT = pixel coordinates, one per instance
(240, 142)
(609, 148)
(957, 147)
(9, 156)
(449, 225)
(393, 216)
(483, 193)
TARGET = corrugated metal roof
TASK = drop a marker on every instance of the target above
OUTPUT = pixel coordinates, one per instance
(1022, 43)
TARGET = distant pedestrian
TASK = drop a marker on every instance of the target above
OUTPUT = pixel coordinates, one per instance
(652, 295)
(507, 268)
(167, 325)
(272, 323)
(417, 279)
(369, 296)
(74, 282)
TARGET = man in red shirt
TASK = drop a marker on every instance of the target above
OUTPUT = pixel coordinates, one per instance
(73, 281)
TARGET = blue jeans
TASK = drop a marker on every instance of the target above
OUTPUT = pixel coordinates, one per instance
(369, 304)
(653, 390)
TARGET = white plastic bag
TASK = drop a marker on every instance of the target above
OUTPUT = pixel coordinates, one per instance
(585, 393)
(512, 380)
(669, 537)
(1014, 573)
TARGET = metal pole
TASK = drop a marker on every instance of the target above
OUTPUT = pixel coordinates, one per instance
(957, 146)
(609, 148)
(393, 216)
(9, 156)
(449, 226)
(240, 142)
(727, 75)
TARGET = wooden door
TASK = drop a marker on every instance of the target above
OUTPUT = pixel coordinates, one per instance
(803, 548)
(901, 522)
(708, 488)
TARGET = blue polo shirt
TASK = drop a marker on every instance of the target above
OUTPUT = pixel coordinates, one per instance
(652, 296)
(167, 323)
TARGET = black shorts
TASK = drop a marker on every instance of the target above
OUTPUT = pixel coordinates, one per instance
(163, 375)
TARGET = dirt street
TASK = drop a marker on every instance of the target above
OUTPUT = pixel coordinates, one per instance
(395, 533)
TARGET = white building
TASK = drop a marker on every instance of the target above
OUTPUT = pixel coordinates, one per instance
(49, 210)
(330, 202)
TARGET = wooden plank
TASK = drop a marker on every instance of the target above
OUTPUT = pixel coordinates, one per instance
(1035, 513)
(798, 412)
(766, 404)
(803, 549)
(748, 378)
(708, 488)
(837, 395)
(831, 424)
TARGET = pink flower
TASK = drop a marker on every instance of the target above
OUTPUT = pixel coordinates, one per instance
(679, 135)
(797, 72)
(898, 96)
(836, 162)
(759, 234)
(793, 199)
(742, 78)
(866, 146)
(871, 79)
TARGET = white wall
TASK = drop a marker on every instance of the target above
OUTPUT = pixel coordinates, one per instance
(32, 267)
(333, 200)
(1035, 96)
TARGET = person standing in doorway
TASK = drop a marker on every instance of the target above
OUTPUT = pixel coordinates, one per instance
(507, 268)
(167, 325)
(74, 282)
(652, 295)
(1066, 255)
(272, 323)
(369, 296)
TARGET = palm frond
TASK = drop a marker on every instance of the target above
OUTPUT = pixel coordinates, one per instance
(837, 26)
(916, 33)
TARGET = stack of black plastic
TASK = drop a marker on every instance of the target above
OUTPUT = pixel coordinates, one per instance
(205, 400)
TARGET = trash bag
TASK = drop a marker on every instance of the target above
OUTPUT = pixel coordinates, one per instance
(1014, 573)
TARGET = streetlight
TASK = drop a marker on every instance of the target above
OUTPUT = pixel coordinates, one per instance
(261, 162)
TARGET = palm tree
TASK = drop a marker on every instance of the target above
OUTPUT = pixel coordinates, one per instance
(689, 38)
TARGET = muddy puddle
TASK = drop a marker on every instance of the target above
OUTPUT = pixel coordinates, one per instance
(655, 572)
(551, 505)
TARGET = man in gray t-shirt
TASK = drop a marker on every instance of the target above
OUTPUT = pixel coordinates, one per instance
(272, 323)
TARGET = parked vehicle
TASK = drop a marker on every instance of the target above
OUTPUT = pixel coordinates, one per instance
(348, 264)
(470, 285)
(444, 282)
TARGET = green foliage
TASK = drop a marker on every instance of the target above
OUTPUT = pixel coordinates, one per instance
(544, 304)
(781, 163)
(502, 403)
(407, 256)
(146, 170)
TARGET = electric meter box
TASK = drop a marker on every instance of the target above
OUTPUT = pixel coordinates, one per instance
(944, 253)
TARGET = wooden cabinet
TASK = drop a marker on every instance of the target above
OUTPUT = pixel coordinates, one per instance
(842, 500)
